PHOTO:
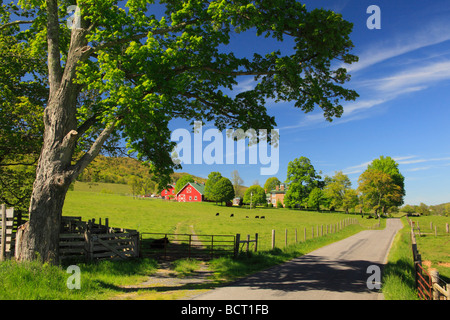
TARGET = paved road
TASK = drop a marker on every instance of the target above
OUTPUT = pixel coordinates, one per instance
(337, 271)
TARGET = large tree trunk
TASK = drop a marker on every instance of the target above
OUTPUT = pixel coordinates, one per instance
(39, 237)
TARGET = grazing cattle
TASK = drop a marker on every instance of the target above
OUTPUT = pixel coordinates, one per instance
(256, 217)
(217, 214)
(263, 217)
(232, 215)
(246, 217)
(159, 243)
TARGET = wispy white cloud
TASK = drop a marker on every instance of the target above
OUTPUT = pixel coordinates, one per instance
(404, 161)
(435, 33)
(414, 79)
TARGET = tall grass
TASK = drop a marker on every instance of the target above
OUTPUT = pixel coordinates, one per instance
(398, 274)
(36, 281)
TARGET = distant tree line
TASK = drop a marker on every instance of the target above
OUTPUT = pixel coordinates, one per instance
(380, 188)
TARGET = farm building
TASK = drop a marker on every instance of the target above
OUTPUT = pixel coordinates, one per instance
(277, 195)
(191, 192)
(169, 191)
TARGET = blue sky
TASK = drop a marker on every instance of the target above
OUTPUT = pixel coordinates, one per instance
(403, 79)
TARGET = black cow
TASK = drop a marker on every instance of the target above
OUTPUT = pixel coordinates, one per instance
(256, 217)
(232, 215)
(217, 214)
(159, 243)
(263, 217)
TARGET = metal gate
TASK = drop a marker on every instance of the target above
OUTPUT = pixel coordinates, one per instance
(177, 246)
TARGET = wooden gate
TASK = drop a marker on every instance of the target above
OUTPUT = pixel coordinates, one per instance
(91, 241)
(6, 232)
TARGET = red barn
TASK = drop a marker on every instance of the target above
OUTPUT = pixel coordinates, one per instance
(169, 191)
(191, 192)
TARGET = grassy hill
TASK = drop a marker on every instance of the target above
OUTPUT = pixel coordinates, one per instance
(112, 175)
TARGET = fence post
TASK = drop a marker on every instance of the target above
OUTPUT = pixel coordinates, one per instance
(248, 243)
(236, 248)
(434, 274)
(446, 227)
(256, 242)
(304, 235)
(89, 246)
(212, 246)
(285, 238)
(190, 244)
(3, 243)
(273, 238)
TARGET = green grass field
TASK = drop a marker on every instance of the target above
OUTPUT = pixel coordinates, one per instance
(160, 216)
(434, 248)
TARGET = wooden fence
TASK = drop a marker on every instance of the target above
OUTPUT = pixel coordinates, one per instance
(428, 283)
(92, 241)
(314, 231)
(246, 243)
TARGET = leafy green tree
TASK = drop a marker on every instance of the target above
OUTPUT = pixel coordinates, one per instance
(223, 190)
(302, 178)
(316, 198)
(183, 181)
(390, 167)
(135, 184)
(335, 189)
(271, 184)
(350, 200)
(147, 71)
(21, 116)
(210, 186)
(408, 209)
(255, 195)
(378, 190)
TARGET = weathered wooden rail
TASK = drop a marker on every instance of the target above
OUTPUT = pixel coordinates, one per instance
(6, 232)
(92, 241)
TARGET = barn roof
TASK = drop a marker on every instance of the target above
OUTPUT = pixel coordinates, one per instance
(200, 187)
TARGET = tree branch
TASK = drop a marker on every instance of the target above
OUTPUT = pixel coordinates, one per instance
(142, 35)
(13, 23)
(54, 56)
(87, 158)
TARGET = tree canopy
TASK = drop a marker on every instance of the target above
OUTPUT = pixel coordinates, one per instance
(211, 192)
(271, 184)
(124, 69)
(224, 190)
(302, 178)
(335, 188)
(255, 195)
